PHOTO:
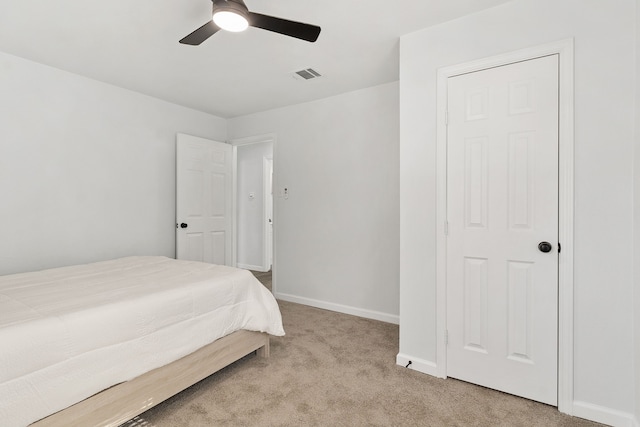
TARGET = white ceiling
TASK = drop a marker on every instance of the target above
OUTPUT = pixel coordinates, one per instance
(134, 44)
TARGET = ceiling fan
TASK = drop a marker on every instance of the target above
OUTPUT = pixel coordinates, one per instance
(233, 15)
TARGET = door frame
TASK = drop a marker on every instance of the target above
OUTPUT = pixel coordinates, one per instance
(267, 191)
(565, 51)
(257, 139)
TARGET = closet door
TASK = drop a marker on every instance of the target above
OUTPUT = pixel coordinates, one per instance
(502, 211)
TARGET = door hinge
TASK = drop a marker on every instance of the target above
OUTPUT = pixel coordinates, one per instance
(446, 337)
(446, 228)
(446, 117)
(559, 247)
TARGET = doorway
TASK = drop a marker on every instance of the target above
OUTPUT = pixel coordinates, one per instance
(267, 185)
(254, 202)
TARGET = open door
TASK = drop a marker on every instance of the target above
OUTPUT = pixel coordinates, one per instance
(204, 200)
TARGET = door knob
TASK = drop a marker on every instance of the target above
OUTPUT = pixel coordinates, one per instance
(544, 247)
(184, 225)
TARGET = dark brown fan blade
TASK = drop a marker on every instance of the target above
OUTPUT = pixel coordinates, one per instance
(201, 34)
(298, 30)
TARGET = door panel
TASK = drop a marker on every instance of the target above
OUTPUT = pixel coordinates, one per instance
(476, 277)
(204, 200)
(502, 200)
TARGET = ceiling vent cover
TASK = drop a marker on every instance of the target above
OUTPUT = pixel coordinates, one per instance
(307, 74)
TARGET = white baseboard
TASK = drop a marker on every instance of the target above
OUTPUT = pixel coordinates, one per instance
(604, 415)
(252, 267)
(420, 365)
(355, 311)
(584, 410)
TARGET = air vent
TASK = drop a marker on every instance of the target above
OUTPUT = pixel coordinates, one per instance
(307, 74)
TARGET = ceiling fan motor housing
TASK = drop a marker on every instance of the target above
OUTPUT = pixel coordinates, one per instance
(235, 6)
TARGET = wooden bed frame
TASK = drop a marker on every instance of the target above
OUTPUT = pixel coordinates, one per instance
(122, 402)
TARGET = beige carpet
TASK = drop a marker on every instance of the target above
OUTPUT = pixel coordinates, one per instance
(338, 370)
(264, 278)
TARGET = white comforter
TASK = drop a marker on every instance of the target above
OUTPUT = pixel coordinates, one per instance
(68, 333)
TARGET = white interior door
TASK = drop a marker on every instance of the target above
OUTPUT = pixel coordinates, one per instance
(204, 200)
(502, 202)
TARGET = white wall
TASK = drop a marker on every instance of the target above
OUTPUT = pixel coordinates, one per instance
(636, 233)
(251, 211)
(336, 236)
(604, 33)
(87, 170)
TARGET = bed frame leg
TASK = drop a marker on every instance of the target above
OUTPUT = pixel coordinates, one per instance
(264, 350)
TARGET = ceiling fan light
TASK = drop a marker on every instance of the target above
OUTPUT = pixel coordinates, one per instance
(230, 21)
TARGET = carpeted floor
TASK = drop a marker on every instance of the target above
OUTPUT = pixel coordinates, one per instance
(333, 369)
(264, 278)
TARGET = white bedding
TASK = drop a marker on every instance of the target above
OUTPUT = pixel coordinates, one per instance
(68, 333)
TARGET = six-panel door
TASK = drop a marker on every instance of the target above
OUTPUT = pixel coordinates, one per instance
(204, 200)
(502, 201)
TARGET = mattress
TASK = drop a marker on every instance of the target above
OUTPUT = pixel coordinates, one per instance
(68, 333)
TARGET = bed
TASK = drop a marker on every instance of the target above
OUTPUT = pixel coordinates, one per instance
(101, 343)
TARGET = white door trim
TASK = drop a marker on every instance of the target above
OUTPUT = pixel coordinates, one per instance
(267, 191)
(234, 205)
(565, 49)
